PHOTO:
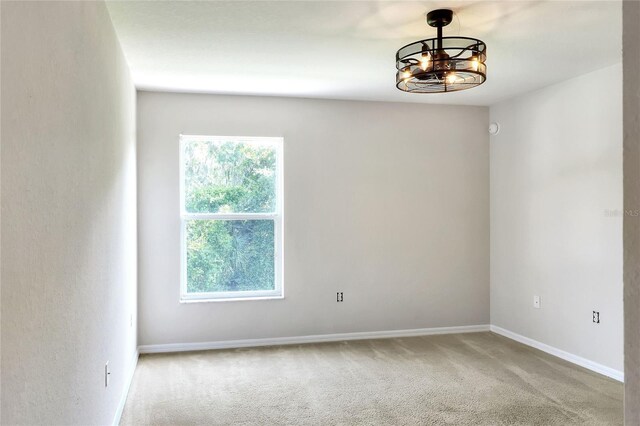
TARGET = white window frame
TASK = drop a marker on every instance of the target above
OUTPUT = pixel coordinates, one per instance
(277, 217)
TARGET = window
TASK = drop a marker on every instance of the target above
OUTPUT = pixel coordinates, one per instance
(231, 213)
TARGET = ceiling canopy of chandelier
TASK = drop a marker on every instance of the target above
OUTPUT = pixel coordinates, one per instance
(441, 64)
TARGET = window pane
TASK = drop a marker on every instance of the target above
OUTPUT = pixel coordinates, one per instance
(230, 255)
(229, 177)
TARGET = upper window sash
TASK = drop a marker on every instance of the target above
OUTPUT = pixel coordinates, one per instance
(273, 205)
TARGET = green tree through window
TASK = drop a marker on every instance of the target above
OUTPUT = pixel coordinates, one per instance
(230, 216)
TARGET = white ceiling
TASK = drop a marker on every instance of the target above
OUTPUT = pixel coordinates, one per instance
(346, 49)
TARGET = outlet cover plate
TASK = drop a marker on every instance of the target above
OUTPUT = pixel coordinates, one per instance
(536, 302)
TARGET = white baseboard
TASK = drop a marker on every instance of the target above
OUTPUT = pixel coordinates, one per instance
(125, 391)
(231, 344)
(582, 362)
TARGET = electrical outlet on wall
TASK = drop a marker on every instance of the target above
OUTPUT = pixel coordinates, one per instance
(536, 302)
(339, 297)
(596, 317)
(107, 373)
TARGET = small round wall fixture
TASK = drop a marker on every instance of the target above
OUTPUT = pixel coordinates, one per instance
(441, 64)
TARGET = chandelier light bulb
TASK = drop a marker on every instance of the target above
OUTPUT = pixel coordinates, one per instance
(406, 75)
(451, 78)
(474, 63)
(424, 61)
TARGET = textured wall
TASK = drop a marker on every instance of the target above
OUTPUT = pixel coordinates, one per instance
(631, 52)
(380, 202)
(68, 214)
(556, 216)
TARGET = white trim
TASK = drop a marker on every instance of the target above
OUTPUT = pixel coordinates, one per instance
(294, 340)
(229, 299)
(230, 216)
(125, 391)
(232, 296)
(575, 359)
(255, 140)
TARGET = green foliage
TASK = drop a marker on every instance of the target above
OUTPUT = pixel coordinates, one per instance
(229, 177)
(215, 198)
(229, 255)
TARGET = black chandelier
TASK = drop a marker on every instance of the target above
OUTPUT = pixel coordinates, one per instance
(441, 64)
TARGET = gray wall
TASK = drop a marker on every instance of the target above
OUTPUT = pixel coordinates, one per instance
(68, 214)
(380, 202)
(631, 50)
(556, 216)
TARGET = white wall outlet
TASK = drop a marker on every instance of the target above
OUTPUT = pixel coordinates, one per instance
(107, 373)
(536, 302)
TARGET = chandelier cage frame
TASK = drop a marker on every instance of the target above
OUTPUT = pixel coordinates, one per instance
(441, 64)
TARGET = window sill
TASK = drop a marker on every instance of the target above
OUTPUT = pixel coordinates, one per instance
(231, 299)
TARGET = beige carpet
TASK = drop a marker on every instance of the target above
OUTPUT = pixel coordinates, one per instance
(463, 379)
